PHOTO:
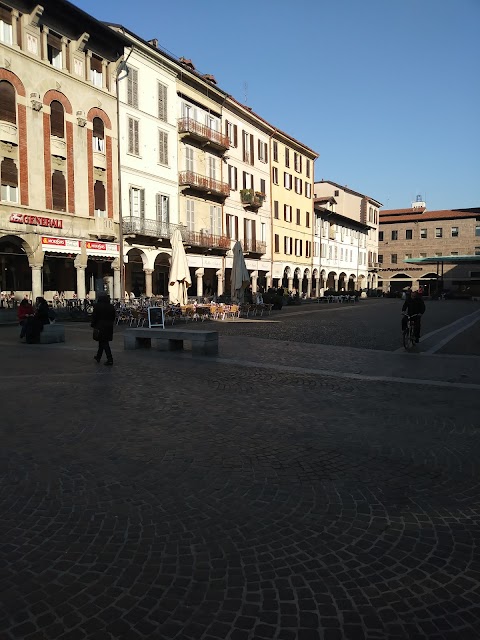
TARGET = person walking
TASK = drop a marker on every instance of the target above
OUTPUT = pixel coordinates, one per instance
(103, 318)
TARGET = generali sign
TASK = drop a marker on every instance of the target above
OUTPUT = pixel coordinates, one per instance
(36, 221)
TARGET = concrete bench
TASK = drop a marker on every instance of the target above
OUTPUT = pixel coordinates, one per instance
(203, 342)
(52, 333)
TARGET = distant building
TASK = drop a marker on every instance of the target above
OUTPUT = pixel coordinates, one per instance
(416, 246)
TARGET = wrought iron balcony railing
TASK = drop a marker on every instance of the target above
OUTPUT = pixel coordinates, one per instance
(152, 228)
(207, 240)
(254, 246)
(202, 132)
(203, 183)
(251, 198)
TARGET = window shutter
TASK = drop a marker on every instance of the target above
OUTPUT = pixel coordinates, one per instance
(259, 149)
(262, 185)
(163, 147)
(244, 180)
(59, 192)
(235, 136)
(99, 195)
(162, 102)
(236, 178)
(226, 127)
(236, 227)
(130, 135)
(254, 233)
(57, 119)
(244, 151)
(5, 15)
(212, 220)
(9, 172)
(96, 64)
(98, 128)
(142, 204)
(54, 41)
(8, 107)
(252, 151)
(135, 131)
(245, 236)
(285, 239)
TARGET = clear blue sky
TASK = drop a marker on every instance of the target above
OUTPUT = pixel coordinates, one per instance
(386, 91)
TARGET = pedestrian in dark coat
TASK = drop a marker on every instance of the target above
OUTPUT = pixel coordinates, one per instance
(35, 323)
(103, 319)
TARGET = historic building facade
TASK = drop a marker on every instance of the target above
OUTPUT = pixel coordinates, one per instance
(346, 238)
(59, 226)
(449, 238)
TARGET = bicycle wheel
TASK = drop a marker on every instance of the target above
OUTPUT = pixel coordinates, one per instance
(408, 339)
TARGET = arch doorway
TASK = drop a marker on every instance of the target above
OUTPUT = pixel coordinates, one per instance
(15, 272)
(134, 274)
(161, 270)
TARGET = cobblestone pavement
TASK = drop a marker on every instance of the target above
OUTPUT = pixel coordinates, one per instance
(172, 497)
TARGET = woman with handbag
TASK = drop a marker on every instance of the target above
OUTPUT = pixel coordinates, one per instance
(103, 319)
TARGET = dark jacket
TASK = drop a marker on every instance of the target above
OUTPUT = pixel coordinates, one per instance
(103, 319)
(24, 311)
(414, 305)
(41, 313)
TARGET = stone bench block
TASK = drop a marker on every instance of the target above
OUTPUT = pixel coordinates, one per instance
(52, 333)
(203, 342)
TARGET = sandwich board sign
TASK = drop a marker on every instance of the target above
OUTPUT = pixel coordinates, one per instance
(156, 317)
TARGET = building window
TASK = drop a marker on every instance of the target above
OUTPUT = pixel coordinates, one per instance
(163, 147)
(297, 161)
(163, 208)
(277, 243)
(287, 157)
(54, 50)
(231, 132)
(298, 185)
(380, 236)
(247, 180)
(215, 220)
(189, 159)
(99, 199)
(307, 168)
(263, 188)
(287, 212)
(438, 254)
(298, 248)
(212, 167)
(307, 219)
(5, 26)
(423, 255)
(308, 249)
(454, 232)
(287, 180)
(336, 193)
(407, 256)
(308, 190)
(477, 251)
(408, 234)
(394, 235)
(137, 203)
(232, 177)
(132, 87)
(275, 209)
(57, 126)
(59, 191)
(439, 232)
(133, 137)
(298, 216)
(275, 175)
(477, 229)
(232, 226)
(190, 215)
(423, 234)
(98, 138)
(454, 253)
(262, 151)
(8, 105)
(162, 102)
(247, 146)
(9, 180)
(394, 258)
(275, 151)
(96, 68)
(380, 258)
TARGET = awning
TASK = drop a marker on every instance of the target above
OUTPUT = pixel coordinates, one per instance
(102, 249)
(61, 245)
(444, 259)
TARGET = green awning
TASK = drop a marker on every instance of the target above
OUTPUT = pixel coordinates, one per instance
(444, 259)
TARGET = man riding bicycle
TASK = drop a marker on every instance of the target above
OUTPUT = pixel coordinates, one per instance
(414, 306)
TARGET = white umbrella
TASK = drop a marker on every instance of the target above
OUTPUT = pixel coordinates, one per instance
(179, 278)
(240, 279)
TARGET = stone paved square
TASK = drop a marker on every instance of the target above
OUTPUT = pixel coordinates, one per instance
(248, 496)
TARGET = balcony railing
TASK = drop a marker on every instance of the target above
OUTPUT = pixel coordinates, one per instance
(251, 198)
(202, 132)
(152, 228)
(203, 183)
(207, 240)
(254, 246)
(373, 265)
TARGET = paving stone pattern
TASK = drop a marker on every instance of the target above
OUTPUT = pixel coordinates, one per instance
(169, 497)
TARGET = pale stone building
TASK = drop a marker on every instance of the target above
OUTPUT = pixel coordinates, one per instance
(59, 226)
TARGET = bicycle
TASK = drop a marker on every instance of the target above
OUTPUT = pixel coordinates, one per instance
(409, 337)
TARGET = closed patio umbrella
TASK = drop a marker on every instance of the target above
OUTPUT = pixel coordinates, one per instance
(240, 276)
(179, 278)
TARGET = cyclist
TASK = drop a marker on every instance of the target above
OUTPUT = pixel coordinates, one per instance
(414, 306)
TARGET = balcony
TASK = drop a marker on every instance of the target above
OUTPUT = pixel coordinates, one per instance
(203, 183)
(202, 133)
(207, 240)
(254, 246)
(252, 199)
(151, 228)
(103, 229)
(373, 265)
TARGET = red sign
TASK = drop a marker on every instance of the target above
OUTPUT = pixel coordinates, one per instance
(35, 221)
(99, 246)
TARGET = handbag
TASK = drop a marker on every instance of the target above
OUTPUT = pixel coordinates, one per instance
(96, 335)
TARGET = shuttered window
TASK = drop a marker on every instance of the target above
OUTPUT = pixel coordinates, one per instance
(59, 191)
(6, 30)
(5, 15)
(275, 209)
(132, 87)
(137, 202)
(232, 177)
(8, 107)
(98, 135)
(99, 196)
(162, 102)
(54, 50)
(9, 173)
(163, 208)
(57, 127)
(191, 215)
(215, 220)
(133, 142)
(96, 70)
(163, 147)
(96, 64)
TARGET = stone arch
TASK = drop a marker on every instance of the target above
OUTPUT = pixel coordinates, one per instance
(315, 274)
(351, 282)
(331, 282)
(96, 112)
(161, 270)
(134, 271)
(13, 79)
(342, 281)
(16, 260)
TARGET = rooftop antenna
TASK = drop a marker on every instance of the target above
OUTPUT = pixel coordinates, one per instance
(245, 92)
